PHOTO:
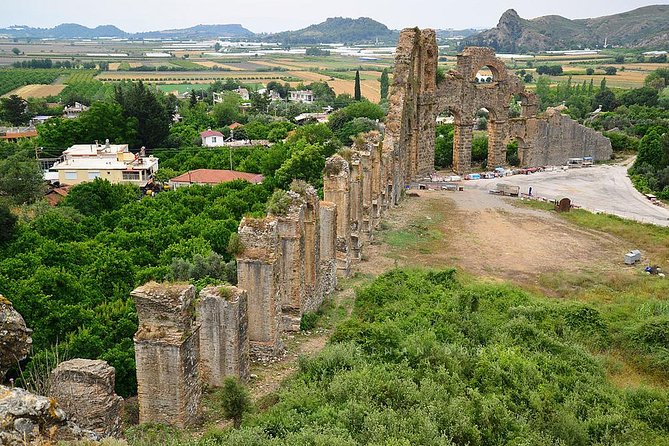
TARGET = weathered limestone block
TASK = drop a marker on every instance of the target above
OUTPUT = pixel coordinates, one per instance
(259, 273)
(328, 248)
(355, 201)
(26, 418)
(84, 388)
(15, 340)
(165, 307)
(224, 342)
(336, 189)
(290, 228)
(313, 294)
(167, 354)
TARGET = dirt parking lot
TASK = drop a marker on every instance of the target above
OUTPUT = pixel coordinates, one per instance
(602, 188)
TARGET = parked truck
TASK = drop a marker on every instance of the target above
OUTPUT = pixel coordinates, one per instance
(508, 189)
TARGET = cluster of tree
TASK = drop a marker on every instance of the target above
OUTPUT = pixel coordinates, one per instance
(137, 115)
(48, 63)
(650, 171)
(425, 359)
(551, 70)
(315, 51)
(69, 270)
(356, 118)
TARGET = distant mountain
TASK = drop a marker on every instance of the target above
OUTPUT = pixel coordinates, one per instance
(455, 33)
(338, 30)
(75, 31)
(646, 27)
(64, 31)
(199, 31)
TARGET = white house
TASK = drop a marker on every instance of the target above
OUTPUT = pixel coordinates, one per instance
(73, 111)
(212, 138)
(113, 162)
(304, 96)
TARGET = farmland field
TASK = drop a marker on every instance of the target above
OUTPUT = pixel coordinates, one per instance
(37, 91)
(18, 77)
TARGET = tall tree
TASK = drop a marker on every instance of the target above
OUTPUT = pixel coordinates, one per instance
(144, 104)
(384, 84)
(356, 92)
(21, 179)
(15, 110)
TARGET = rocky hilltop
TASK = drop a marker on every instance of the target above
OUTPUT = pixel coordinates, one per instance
(646, 27)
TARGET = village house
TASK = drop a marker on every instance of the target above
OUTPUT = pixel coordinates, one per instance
(304, 96)
(112, 162)
(73, 111)
(212, 138)
(13, 134)
(213, 177)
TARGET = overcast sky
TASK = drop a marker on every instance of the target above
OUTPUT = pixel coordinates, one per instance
(274, 15)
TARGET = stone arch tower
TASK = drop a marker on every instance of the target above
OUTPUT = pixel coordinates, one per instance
(417, 96)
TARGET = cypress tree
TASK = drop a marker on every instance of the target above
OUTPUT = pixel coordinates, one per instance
(384, 85)
(356, 92)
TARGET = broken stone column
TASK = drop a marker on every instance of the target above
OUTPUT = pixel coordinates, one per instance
(224, 342)
(84, 388)
(15, 340)
(167, 353)
(313, 294)
(328, 248)
(366, 186)
(356, 207)
(259, 273)
(290, 228)
(336, 189)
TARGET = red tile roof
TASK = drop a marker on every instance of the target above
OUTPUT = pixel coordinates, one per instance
(27, 134)
(212, 176)
(235, 125)
(210, 133)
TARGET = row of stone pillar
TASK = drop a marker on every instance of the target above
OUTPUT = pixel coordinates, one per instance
(287, 266)
(362, 186)
(186, 339)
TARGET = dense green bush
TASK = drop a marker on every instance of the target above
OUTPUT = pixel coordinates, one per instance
(69, 270)
(427, 360)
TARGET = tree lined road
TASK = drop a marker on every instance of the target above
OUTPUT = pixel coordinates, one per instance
(602, 188)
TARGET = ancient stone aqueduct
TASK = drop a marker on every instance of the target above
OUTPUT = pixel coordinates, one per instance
(291, 261)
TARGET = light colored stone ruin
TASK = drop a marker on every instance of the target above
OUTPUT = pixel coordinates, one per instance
(26, 418)
(167, 354)
(222, 313)
(15, 339)
(84, 388)
(417, 99)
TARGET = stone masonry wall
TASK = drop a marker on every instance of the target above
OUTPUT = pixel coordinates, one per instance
(167, 354)
(224, 342)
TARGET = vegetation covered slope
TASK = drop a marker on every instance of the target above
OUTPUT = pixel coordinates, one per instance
(339, 30)
(425, 359)
(642, 27)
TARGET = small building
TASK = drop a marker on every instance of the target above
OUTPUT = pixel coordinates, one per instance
(304, 96)
(213, 177)
(212, 138)
(243, 93)
(73, 111)
(13, 134)
(305, 118)
(112, 162)
(272, 94)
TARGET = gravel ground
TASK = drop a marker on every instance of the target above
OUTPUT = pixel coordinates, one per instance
(602, 188)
